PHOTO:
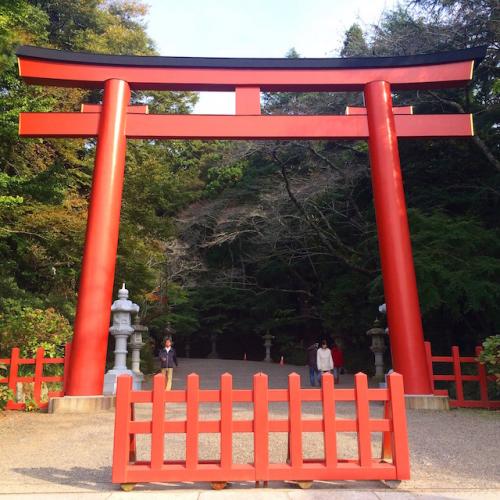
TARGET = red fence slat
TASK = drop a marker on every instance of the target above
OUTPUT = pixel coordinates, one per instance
(37, 392)
(362, 418)
(157, 419)
(261, 427)
(226, 422)
(295, 417)
(192, 420)
(329, 420)
(400, 432)
(457, 370)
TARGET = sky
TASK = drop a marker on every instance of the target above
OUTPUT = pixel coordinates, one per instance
(254, 28)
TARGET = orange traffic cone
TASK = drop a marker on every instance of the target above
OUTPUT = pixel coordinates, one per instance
(282, 361)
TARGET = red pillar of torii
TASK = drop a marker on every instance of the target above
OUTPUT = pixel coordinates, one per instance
(115, 121)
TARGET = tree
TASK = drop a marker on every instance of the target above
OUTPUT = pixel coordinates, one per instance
(354, 43)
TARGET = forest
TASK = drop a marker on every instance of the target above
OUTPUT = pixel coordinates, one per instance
(240, 239)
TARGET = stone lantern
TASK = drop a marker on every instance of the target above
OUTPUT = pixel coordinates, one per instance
(267, 344)
(378, 348)
(121, 329)
(213, 340)
(136, 344)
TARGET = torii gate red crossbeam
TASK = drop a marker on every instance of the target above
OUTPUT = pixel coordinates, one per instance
(115, 121)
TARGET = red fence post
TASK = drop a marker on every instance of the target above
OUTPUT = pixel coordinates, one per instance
(226, 421)
(295, 418)
(329, 422)
(428, 355)
(13, 375)
(157, 422)
(387, 454)
(483, 380)
(192, 420)
(261, 426)
(362, 419)
(67, 356)
(37, 388)
(401, 455)
(122, 429)
(457, 373)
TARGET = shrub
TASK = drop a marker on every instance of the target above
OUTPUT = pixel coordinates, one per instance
(490, 356)
(6, 395)
(29, 328)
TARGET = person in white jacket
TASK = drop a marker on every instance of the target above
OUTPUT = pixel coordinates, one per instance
(324, 359)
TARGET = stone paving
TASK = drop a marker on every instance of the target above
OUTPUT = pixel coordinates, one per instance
(454, 454)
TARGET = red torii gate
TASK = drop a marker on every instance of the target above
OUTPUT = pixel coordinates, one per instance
(115, 121)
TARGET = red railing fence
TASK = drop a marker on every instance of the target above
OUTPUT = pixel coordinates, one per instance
(14, 363)
(393, 464)
(458, 378)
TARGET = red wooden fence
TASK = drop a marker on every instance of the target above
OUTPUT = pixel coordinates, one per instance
(37, 378)
(458, 378)
(393, 463)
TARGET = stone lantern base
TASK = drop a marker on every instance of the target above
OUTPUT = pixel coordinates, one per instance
(109, 388)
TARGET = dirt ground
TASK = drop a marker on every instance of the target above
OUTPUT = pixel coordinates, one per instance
(56, 453)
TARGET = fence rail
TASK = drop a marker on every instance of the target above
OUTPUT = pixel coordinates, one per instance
(458, 378)
(14, 363)
(392, 464)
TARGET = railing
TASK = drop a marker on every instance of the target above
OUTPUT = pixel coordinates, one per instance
(392, 464)
(14, 363)
(458, 378)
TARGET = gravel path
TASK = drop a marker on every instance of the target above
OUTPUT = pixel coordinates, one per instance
(459, 449)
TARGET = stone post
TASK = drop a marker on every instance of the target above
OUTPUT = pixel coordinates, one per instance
(121, 330)
(378, 348)
(136, 344)
(267, 344)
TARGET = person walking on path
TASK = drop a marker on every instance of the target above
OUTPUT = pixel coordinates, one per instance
(312, 360)
(338, 361)
(168, 357)
(324, 359)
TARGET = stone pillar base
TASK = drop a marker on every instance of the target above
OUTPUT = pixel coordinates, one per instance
(110, 377)
(426, 402)
(81, 404)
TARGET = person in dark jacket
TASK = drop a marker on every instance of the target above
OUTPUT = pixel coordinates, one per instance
(312, 351)
(168, 357)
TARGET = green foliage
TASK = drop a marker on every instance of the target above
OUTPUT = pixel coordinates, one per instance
(45, 184)
(457, 264)
(219, 178)
(29, 328)
(6, 395)
(490, 356)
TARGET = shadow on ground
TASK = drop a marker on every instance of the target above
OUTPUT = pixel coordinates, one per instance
(100, 480)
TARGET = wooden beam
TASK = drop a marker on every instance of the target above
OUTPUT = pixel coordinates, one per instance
(139, 126)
